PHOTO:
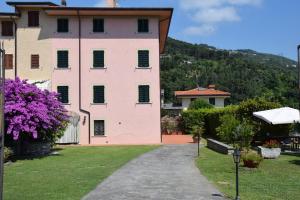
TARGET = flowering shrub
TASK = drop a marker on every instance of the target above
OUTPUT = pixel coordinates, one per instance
(32, 113)
(271, 144)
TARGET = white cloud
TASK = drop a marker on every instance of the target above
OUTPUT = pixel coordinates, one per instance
(100, 3)
(207, 14)
(202, 30)
(216, 15)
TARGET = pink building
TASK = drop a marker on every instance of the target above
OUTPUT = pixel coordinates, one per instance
(103, 61)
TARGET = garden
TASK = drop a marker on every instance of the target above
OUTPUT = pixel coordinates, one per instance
(266, 172)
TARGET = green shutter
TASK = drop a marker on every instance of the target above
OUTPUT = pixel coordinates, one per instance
(63, 92)
(99, 127)
(143, 25)
(98, 25)
(98, 59)
(62, 25)
(98, 94)
(144, 94)
(62, 59)
(143, 56)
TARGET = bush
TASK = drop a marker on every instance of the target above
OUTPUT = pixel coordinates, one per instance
(32, 114)
(7, 153)
(169, 124)
(192, 118)
(197, 131)
(243, 134)
(226, 130)
(251, 159)
(199, 104)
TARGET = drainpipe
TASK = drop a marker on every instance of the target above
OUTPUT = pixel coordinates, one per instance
(80, 106)
(298, 53)
(16, 46)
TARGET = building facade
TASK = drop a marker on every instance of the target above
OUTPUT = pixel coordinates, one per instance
(104, 62)
(209, 94)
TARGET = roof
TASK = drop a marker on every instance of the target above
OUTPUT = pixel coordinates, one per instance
(30, 3)
(9, 15)
(202, 92)
(164, 15)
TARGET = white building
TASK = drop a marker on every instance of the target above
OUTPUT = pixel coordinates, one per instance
(210, 94)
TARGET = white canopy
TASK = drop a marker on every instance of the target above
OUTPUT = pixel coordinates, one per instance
(285, 115)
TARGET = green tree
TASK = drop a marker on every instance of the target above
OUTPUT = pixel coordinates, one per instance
(199, 104)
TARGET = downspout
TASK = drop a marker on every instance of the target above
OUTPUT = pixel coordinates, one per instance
(79, 59)
(16, 46)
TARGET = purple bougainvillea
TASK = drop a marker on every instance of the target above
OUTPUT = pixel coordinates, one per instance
(31, 112)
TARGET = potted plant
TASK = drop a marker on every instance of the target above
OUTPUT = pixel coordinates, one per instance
(271, 149)
(251, 159)
(197, 132)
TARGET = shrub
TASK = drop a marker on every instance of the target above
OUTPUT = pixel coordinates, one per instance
(7, 153)
(197, 130)
(32, 114)
(199, 104)
(251, 159)
(191, 118)
(243, 135)
(226, 130)
(168, 124)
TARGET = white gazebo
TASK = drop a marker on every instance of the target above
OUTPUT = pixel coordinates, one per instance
(285, 115)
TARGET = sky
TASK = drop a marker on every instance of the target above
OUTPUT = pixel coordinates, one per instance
(269, 26)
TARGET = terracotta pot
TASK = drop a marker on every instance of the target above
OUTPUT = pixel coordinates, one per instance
(250, 164)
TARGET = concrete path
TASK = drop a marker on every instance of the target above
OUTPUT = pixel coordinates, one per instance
(167, 173)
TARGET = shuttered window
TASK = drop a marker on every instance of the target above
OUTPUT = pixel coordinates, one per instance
(35, 61)
(62, 25)
(7, 28)
(98, 59)
(144, 94)
(143, 56)
(99, 127)
(98, 96)
(98, 25)
(62, 59)
(8, 61)
(143, 25)
(212, 101)
(33, 18)
(63, 92)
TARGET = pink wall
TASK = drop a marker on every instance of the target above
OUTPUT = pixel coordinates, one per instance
(126, 122)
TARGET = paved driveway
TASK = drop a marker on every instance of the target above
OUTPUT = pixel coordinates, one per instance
(167, 173)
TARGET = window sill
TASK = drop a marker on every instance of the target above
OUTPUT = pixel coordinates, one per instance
(98, 68)
(99, 33)
(9, 69)
(63, 33)
(144, 103)
(66, 104)
(143, 67)
(57, 68)
(98, 104)
(143, 33)
(100, 136)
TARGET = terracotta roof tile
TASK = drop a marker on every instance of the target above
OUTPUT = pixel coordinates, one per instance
(202, 92)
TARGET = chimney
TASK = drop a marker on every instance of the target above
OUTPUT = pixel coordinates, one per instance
(63, 3)
(111, 3)
(212, 87)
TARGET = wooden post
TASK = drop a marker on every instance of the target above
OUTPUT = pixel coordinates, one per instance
(2, 80)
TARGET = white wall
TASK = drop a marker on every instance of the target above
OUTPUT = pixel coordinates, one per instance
(219, 101)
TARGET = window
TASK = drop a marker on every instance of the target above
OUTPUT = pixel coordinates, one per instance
(99, 128)
(212, 101)
(62, 25)
(33, 18)
(98, 96)
(7, 28)
(144, 94)
(8, 61)
(143, 25)
(62, 59)
(98, 59)
(35, 61)
(98, 25)
(63, 92)
(143, 58)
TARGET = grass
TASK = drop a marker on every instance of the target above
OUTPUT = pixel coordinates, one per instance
(273, 180)
(69, 175)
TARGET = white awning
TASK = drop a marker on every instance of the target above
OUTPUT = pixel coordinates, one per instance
(285, 115)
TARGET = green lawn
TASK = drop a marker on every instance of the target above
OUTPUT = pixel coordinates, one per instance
(275, 179)
(69, 175)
